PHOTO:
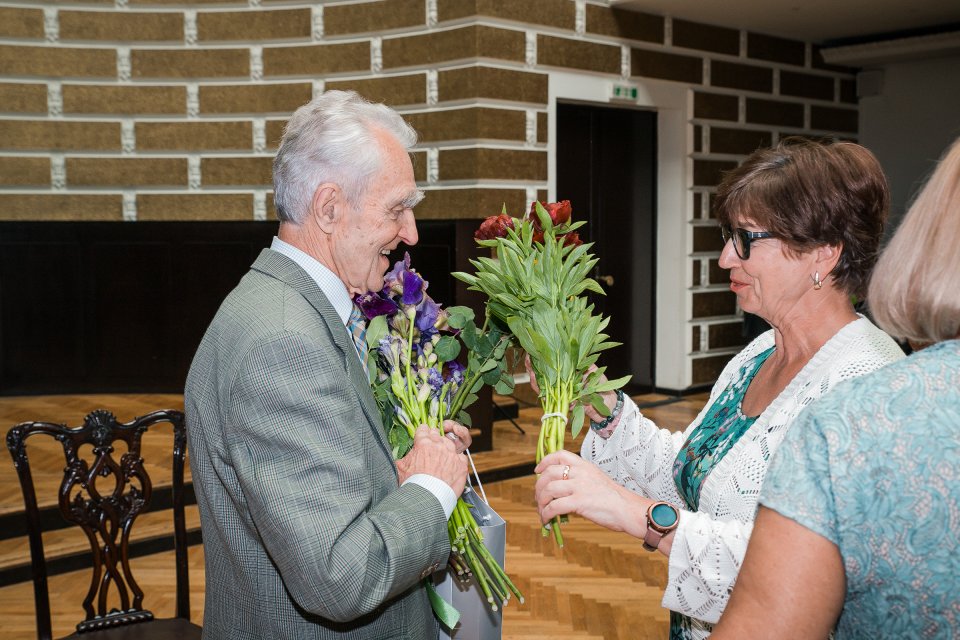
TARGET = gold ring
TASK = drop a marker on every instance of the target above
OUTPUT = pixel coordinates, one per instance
(566, 472)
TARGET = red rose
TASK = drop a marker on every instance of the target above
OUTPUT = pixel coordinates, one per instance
(494, 227)
(572, 238)
(559, 212)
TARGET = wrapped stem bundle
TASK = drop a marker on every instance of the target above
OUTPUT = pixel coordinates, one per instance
(537, 285)
(417, 380)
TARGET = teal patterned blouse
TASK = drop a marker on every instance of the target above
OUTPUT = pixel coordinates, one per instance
(719, 430)
(875, 468)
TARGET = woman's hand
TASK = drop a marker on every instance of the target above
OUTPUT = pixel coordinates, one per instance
(570, 484)
(609, 397)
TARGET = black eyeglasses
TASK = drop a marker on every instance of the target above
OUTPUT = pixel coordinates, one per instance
(741, 239)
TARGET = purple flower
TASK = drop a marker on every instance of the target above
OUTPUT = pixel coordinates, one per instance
(373, 305)
(393, 280)
(455, 372)
(435, 380)
(413, 287)
(427, 313)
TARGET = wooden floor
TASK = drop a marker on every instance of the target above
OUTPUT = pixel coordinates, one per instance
(600, 585)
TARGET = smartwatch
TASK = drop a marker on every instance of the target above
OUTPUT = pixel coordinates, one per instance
(662, 518)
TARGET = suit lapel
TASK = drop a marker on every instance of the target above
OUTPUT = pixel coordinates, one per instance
(279, 266)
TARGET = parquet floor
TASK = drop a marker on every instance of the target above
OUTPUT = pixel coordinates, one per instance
(600, 585)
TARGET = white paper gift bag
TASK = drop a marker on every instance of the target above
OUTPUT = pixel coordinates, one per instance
(477, 620)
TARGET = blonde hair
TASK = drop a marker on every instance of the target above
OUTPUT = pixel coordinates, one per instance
(915, 289)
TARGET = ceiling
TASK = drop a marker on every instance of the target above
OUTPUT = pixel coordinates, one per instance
(820, 21)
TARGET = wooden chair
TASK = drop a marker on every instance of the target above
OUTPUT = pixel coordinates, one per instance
(104, 496)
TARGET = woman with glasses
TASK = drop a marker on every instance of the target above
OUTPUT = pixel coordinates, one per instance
(857, 527)
(802, 224)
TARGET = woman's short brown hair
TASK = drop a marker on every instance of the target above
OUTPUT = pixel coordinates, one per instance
(810, 194)
(915, 290)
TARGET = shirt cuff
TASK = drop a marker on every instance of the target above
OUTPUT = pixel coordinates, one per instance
(440, 489)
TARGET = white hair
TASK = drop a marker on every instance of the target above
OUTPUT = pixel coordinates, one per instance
(332, 139)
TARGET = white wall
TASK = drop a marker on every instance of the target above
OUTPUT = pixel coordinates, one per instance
(911, 122)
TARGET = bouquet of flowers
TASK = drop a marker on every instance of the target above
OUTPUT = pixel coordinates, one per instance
(417, 379)
(537, 285)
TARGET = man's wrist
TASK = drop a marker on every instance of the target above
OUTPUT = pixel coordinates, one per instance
(440, 489)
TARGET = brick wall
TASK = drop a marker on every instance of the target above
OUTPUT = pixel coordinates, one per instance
(156, 110)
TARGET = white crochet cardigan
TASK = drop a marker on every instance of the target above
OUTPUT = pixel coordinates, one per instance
(709, 544)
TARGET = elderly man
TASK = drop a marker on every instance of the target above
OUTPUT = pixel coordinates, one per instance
(310, 529)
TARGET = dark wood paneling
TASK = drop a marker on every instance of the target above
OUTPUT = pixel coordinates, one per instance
(121, 307)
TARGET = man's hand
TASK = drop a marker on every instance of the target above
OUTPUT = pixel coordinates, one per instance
(459, 434)
(435, 455)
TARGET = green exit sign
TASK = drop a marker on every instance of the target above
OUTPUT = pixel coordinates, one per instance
(624, 92)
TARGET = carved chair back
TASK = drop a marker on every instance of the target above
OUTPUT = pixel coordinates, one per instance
(103, 495)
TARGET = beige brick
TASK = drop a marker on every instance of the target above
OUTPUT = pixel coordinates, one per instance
(444, 204)
(124, 100)
(316, 59)
(274, 133)
(59, 135)
(256, 99)
(376, 16)
(23, 98)
(194, 136)
(175, 2)
(708, 369)
(492, 164)
(206, 206)
(419, 160)
(118, 172)
(236, 172)
(578, 54)
(392, 90)
(551, 13)
(624, 23)
(465, 43)
(30, 171)
(469, 83)
(17, 22)
(48, 207)
(120, 26)
(470, 123)
(254, 24)
(666, 66)
(58, 62)
(193, 64)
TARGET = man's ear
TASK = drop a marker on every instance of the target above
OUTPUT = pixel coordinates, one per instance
(325, 208)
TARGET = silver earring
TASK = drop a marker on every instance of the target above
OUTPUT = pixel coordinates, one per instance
(817, 282)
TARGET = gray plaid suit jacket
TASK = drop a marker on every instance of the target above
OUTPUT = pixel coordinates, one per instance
(306, 532)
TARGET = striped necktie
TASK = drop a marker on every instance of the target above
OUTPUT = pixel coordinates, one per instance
(358, 329)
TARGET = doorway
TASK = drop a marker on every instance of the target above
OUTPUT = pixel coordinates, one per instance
(606, 168)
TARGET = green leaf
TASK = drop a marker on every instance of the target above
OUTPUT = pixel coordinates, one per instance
(459, 316)
(504, 387)
(576, 420)
(596, 401)
(491, 376)
(465, 419)
(611, 385)
(376, 330)
(447, 348)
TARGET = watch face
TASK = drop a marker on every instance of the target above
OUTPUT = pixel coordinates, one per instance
(664, 515)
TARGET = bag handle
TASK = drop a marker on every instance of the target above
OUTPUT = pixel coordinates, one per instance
(477, 476)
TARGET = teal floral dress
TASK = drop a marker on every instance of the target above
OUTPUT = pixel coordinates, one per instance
(721, 428)
(875, 468)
